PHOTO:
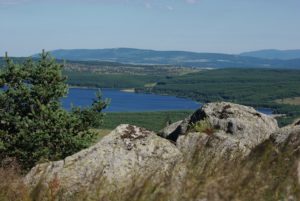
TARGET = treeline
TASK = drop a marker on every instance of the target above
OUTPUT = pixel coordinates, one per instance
(109, 80)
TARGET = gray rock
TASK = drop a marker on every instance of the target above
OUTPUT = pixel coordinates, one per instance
(129, 153)
(296, 122)
(170, 129)
(126, 153)
(236, 131)
(288, 136)
(243, 123)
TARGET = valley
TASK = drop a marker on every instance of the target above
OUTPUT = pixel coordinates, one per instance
(253, 87)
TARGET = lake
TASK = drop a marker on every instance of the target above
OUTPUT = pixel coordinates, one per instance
(133, 102)
(128, 102)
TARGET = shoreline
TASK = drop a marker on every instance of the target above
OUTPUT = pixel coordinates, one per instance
(129, 90)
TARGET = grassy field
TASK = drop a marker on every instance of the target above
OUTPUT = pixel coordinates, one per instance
(153, 121)
(289, 101)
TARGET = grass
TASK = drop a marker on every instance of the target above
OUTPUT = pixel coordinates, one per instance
(203, 126)
(153, 121)
(268, 173)
(12, 187)
(101, 133)
(289, 101)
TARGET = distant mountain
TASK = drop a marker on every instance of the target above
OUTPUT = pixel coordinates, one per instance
(181, 58)
(274, 54)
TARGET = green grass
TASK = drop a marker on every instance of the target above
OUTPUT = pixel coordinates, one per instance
(153, 121)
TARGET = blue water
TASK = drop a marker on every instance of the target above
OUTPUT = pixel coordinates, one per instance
(128, 102)
(132, 102)
(267, 111)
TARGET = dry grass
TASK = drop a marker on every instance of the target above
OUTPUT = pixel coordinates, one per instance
(289, 101)
(269, 173)
(101, 133)
(12, 187)
(203, 126)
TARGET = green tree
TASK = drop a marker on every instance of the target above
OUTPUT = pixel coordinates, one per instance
(33, 125)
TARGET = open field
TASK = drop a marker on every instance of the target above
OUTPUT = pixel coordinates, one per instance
(289, 101)
(153, 121)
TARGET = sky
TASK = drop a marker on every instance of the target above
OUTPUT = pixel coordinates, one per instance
(223, 26)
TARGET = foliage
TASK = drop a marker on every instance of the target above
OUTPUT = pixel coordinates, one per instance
(203, 126)
(33, 126)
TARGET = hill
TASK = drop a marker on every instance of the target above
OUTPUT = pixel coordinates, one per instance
(274, 54)
(181, 58)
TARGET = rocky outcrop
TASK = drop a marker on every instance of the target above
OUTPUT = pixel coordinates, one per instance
(236, 128)
(269, 171)
(242, 122)
(126, 153)
(241, 154)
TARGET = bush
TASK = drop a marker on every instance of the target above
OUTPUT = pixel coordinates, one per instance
(203, 126)
(33, 125)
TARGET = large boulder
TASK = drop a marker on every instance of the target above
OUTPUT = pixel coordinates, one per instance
(127, 153)
(271, 171)
(242, 122)
(235, 130)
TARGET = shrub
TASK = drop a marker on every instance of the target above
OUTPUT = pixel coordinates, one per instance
(203, 126)
(33, 125)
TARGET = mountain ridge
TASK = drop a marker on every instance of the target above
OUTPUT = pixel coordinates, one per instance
(180, 58)
(273, 54)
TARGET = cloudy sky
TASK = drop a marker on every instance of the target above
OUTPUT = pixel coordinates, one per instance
(227, 26)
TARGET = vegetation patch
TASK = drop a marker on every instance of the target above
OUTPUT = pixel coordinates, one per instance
(289, 101)
(152, 121)
(203, 126)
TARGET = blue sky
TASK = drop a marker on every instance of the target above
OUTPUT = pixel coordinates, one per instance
(226, 26)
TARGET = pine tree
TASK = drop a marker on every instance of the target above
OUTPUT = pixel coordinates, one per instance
(33, 125)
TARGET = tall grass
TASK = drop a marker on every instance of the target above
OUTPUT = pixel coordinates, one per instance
(268, 173)
(12, 187)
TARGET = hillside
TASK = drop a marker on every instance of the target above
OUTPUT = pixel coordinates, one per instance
(184, 58)
(273, 54)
